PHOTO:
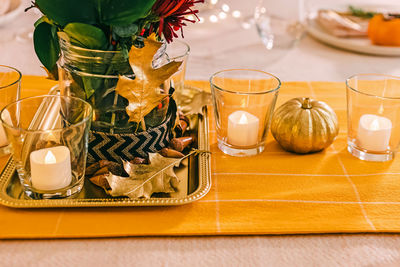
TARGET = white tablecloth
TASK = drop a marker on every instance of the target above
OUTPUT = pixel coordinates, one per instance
(215, 47)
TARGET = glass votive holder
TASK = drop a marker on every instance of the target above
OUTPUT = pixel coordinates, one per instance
(49, 141)
(179, 51)
(243, 102)
(373, 116)
(10, 86)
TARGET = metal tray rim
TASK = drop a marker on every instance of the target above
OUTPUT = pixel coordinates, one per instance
(203, 188)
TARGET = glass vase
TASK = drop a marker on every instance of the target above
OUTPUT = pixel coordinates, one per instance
(92, 76)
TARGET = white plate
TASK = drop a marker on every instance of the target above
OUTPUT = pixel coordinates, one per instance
(15, 9)
(360, 45)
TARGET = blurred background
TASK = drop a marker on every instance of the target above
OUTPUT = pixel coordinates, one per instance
(234, 34)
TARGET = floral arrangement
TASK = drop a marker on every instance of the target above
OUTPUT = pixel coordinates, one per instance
(112, 25)
(108, 49)
(95, 38)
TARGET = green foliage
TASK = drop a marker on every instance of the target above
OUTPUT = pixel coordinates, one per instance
(358, 12)
(106, 12)
(123, 12)
(91, 24)
(126, 31)
(110, 25)
(66, 11)
(86, 36)
(46, 45)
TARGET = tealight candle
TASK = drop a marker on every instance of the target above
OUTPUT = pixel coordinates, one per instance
(51, 168)
(374, 132)
(242, 129)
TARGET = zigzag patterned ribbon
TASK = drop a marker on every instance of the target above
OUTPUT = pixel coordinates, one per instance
(115, 147)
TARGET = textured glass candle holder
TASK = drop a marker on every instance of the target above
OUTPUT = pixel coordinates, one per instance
(49, 141)
(10, 86)
(243, 102)
(373, 116)
(179, 51)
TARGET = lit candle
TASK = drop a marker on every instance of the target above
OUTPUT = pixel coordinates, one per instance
(242, 129)
(374, 132)
(51, 168)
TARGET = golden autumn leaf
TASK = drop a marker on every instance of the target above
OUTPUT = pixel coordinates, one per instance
(144, 93)
(144, 179)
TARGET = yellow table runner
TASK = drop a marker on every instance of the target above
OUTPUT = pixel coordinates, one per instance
(275, 192)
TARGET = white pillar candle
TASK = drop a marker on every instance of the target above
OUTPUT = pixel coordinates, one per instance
(374, 132)
(51, 168)
(242, 129)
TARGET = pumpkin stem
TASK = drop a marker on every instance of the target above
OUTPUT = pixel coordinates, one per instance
(307, 103)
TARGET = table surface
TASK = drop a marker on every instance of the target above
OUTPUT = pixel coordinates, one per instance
(215, 47)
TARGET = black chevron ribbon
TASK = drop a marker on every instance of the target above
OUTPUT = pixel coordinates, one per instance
(115, 147)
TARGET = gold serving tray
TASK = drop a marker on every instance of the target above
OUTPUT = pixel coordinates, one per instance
(194, 174)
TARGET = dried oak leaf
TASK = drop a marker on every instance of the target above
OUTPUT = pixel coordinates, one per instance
(138, 184)
(144, 93)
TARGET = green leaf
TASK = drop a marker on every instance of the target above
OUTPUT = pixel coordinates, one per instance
(46, 45)
(66, 11)
(85, 35)
(44, 19)
(123, 12)
(40, 20)
(358, 12)
(88, 86)
(126, 31)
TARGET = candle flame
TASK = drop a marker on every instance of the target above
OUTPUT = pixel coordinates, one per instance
(374, 126)
(243, 119)
(50, 158)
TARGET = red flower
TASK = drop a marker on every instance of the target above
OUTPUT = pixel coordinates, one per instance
(172, 15)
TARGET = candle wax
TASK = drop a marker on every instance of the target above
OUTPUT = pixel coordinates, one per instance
(242, 129)
(51, 168)
(374, 132)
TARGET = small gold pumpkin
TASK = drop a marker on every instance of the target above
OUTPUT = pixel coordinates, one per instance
(303, 125)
